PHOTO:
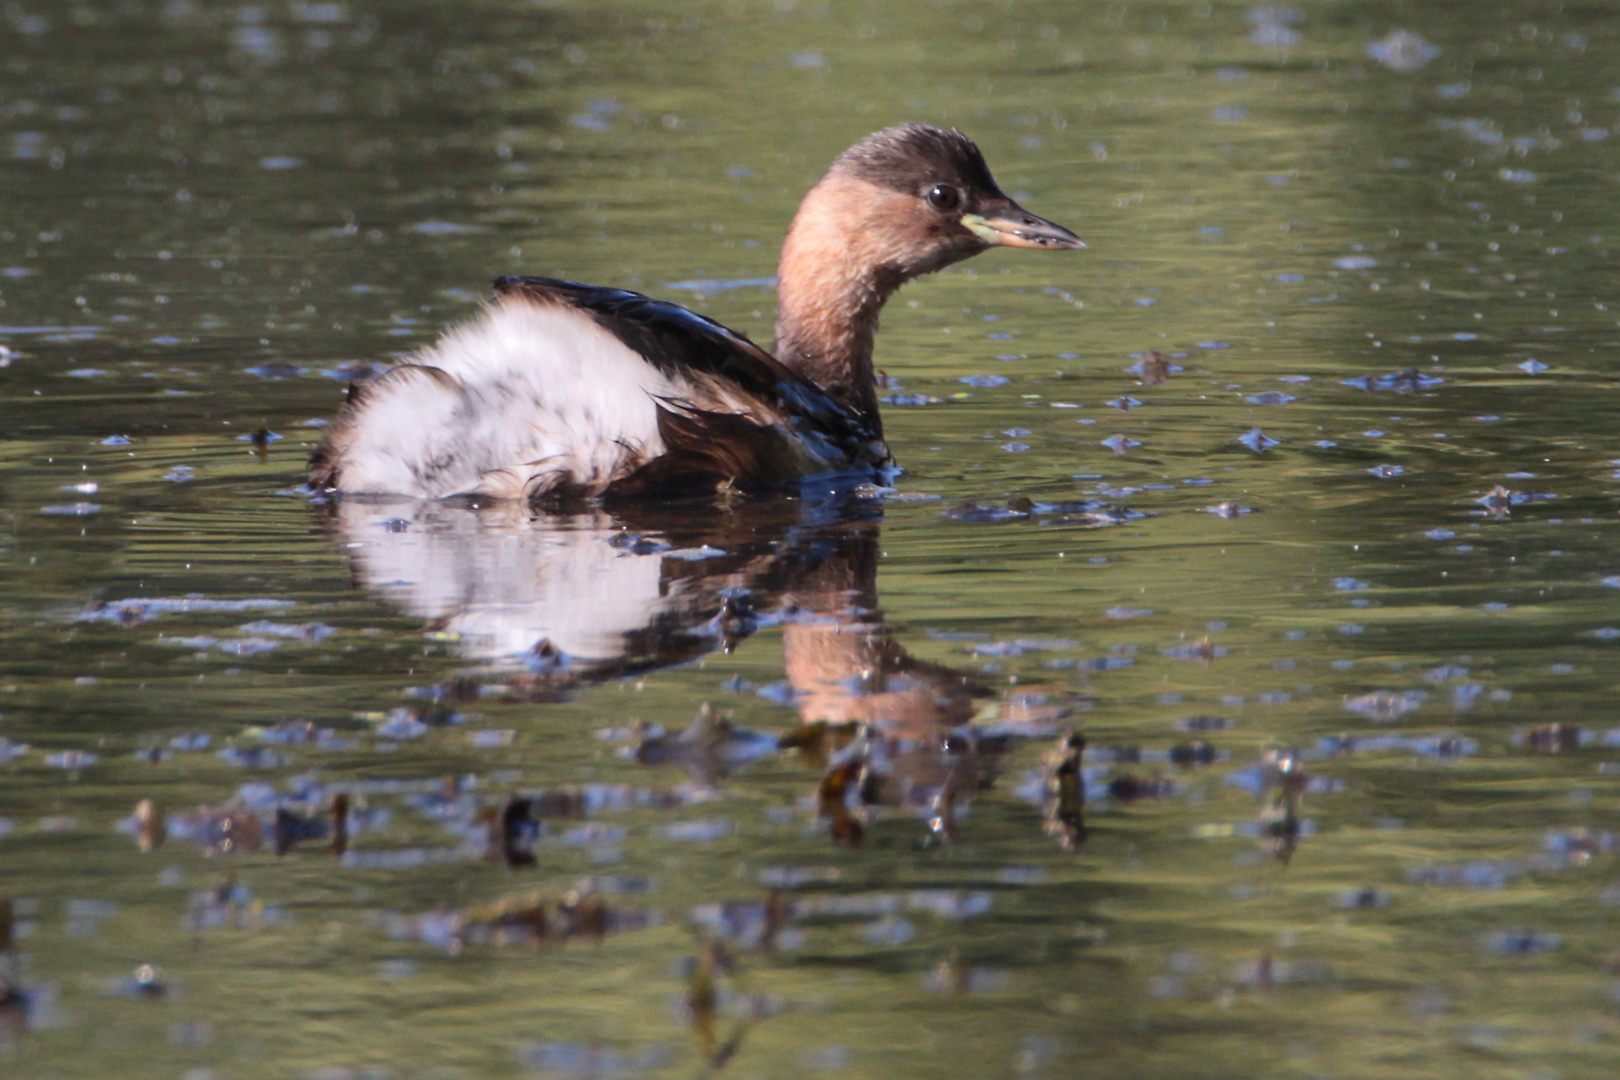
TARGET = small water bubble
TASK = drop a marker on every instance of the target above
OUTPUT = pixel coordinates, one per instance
(1403, 51)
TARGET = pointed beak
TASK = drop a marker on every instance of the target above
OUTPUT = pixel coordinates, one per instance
(1013, 226)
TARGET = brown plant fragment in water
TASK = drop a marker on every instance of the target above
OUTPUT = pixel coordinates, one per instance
(1066, 792)
(702, 1004)
(151, 827)
(1553, 738)
(1154, 368)
(1279, 821)
(831, 800)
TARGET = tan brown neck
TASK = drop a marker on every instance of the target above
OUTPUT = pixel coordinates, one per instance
(836, 271)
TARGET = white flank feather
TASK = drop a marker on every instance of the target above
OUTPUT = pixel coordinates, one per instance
(523, 397)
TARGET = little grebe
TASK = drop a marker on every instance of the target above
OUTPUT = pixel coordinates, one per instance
(561, 389)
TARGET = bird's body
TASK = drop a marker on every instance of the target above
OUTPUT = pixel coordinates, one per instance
(562, 389)
(558, 388)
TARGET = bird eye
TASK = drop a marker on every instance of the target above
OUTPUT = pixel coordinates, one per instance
(943, 197)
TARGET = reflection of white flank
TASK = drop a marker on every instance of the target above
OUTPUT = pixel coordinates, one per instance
(502, 583)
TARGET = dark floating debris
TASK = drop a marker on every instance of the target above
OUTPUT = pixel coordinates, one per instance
(702, 1005)
(1410, 381)
(136, 610)
(1206, 723)
(355, 371)
(910, 400)
(220, 830)
(751, 924)
(1088, 514)
(1366, 898)
(1279, 821)
(637, 544)
(708, 748)
(1153, 368)
(512, 834)
(844, 778)
(735, 622)
(1196, 752)
(147, 983)
(1203, 650)
(1499, 501)
(1446, 746)
(1066, 792)
(1386, 705)
(261, 438)
(290, 829)
(275, 369)
(1257, 440)
(1520, 942)
(582, 913)
(1127, 787)
(1554, 738)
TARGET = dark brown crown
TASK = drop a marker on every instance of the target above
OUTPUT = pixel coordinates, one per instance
(914, 157)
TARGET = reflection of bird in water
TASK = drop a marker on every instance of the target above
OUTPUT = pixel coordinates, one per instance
(892, 729)
(654, 585)
(553, 600)
(561, 389)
